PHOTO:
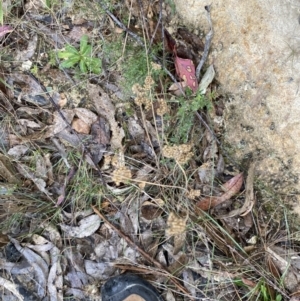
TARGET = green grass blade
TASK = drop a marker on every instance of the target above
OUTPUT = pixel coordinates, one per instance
(1, 12)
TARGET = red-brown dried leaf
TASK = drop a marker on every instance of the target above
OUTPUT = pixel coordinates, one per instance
(248, 282)
(274, 270)
(233, 186)
(185, 69)
(209, 202)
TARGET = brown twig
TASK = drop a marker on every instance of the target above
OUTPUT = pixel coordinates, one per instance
(208, 40)
(207, 127)
(144, 254)
(140, 269)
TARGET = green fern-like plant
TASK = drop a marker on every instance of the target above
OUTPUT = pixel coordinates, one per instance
(185, 116)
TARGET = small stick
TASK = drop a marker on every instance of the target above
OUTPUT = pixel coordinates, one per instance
(207, 127)
(208, 40)
(143, 253)
(140, 269)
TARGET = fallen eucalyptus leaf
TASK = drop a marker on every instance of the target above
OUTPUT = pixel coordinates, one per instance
(11, 287)
(178, 88)
(207, 79)
(39, 265)
(87, 227)
(27, 173)
(86, 115)
(231, 188)
(18, 151)
(24, 55)
(7, 171)
(99, 270)
(249, 197)
(106, 109)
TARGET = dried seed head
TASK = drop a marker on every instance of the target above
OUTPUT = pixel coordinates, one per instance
(181, 153)
(155, 66)
(176, 225)
(121, 174)
(193, 193)
(142, 100)
(148, 83)
(163, 107)
(137, 89)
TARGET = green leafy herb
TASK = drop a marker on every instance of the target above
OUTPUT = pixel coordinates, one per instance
(73, 57)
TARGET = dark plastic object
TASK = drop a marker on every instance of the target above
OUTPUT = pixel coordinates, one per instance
(120, 287)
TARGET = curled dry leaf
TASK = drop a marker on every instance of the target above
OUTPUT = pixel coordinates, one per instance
(13, 288)
(150, 210)
(248, 282)
(18, 151)
(58, 123)
(86, 115)
(55, 279)
(26, 172)
(80, 126)
(29, 123)
(77, 279)
(135, 129)
(106, 109)
(99, 270)
(281, 261)
(73, 139)
(189, 282)
(249, 198)
(231, 188)
(209, 202)
(24, 55)
(37, 263)
(273, 268)
(31, 92)
(7, 171)
(178, 88)
(87, 227)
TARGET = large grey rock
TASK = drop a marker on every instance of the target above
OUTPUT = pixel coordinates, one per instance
(256, 54)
